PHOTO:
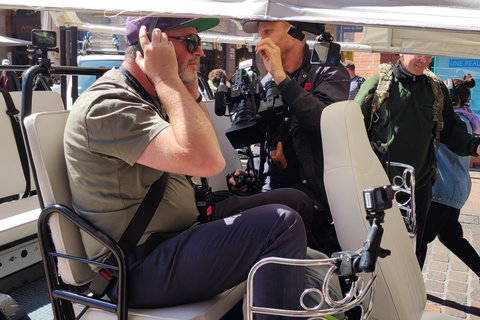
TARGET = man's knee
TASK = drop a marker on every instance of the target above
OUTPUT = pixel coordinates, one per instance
(295, 199)
(288, 230)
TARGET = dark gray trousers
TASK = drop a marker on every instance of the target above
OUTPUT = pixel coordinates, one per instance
(210, 258)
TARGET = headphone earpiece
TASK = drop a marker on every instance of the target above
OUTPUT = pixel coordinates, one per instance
(451, 89)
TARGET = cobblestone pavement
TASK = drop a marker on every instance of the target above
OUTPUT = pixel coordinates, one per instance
(452, 288)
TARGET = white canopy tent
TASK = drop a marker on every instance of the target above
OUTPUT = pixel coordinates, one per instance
(461, 15)
(436, 27)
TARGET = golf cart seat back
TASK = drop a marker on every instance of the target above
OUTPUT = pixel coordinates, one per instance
(350, 167)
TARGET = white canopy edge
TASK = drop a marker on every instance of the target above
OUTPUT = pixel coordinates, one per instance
(435, 40)
(454, 15)
(8, 42)
(427, 42)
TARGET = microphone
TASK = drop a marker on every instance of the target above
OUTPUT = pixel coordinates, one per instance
(220, 97)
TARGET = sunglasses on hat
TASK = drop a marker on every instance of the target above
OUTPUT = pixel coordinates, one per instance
(193, 41)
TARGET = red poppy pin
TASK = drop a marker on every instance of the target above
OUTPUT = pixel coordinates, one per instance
(308, 86)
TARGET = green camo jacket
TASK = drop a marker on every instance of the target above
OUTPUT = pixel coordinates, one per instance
(410, 131)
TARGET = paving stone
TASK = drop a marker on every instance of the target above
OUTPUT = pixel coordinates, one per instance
(459, 266)
(457, 286)
(474, 294)
(434, 286)
(438, 266)
(476, 240)
(432, 308)
(440, 257)
(469, 227)
(469, 219)
(455, 312)
(436, 275)
(458, 276)
(441, 249)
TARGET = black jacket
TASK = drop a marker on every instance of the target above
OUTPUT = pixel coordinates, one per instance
(13, 82)
(307, 92)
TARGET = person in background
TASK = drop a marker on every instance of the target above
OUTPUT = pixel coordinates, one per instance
(214, 78)
(450, 193)
(356, 80)
(9, 80)
(403, 128)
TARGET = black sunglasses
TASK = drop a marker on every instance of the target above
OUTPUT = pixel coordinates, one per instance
(193, 41)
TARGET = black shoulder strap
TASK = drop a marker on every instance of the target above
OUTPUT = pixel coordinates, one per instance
(17, 131)
(143, 216)
(132, 233)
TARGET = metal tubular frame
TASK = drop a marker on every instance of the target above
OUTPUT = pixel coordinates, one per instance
(405, 185)
(357, 294)
(60, 295)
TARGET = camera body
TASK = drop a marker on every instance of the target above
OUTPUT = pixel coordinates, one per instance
(43, 41)
(252, 106)
(44, 38)
(252, 182)
(271, 106)
(378, 199)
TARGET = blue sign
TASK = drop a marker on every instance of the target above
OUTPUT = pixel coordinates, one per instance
(452, 67)
(352, 28)
(464, 63)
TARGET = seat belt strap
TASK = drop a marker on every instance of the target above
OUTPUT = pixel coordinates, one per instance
(17, 132)
(132, 233)
(142, 217)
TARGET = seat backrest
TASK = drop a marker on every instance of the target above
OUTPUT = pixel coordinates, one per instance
(221, 124)
(350, 167)
(42, 101)
(13, 180)
(45, 136)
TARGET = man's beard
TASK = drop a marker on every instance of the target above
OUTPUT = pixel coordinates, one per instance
(186, 75)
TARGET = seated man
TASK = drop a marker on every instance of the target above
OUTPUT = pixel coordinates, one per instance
(147, 118)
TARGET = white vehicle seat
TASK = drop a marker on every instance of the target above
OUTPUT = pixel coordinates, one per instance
(350, 167)
(221, 124)
(42, 101)
(18, 218)
(45, 135)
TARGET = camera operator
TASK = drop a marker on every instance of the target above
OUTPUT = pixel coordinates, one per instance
(296, 142)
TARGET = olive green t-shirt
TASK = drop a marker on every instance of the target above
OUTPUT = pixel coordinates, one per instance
(108, 128)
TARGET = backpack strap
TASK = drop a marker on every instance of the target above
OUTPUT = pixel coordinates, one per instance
(438, 105)
(383, 89)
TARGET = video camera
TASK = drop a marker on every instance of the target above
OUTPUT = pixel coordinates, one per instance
(252, 106)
